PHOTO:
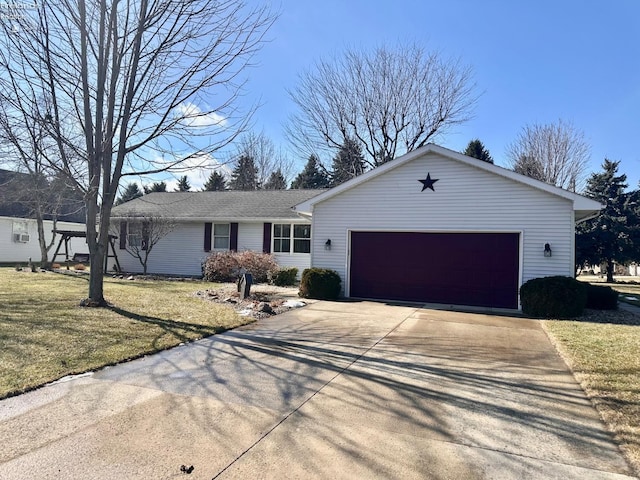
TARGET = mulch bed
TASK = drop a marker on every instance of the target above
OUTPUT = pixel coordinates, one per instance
(263, 302)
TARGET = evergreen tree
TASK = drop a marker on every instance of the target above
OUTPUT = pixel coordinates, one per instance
(245, 175)
(476, 149)
(313, 176)
(131, 191)
(276, 181)
(607, 238)
(156, 187)
(348, 162)
(215, 183)
(183, 184)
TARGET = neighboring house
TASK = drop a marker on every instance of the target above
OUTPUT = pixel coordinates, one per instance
(18, 227)
(19, 239)
(436, 226)
(206, 222)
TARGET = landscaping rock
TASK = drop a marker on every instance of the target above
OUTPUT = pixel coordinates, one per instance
(265, 307)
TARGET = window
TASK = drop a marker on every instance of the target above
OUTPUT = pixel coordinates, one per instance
(281, 238)
(286, 236)
(302, 239)
(134, 236)
(221, 236)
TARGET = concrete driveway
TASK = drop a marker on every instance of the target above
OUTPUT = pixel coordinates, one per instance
(333, 390)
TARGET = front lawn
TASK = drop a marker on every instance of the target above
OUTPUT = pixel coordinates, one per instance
(45, 335)
(603, 350)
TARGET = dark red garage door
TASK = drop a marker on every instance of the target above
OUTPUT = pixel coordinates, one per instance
(479, 269)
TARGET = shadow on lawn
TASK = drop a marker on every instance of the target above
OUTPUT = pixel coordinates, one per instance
(178, 329)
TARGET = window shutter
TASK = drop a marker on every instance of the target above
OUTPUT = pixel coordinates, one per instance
(233, 237)
(266, 238)
(207, 236)
(123, 235)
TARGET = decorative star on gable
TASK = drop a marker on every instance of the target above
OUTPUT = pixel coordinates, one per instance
(428, 183)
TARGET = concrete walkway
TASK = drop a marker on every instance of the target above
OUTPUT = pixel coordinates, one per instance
(333, 390)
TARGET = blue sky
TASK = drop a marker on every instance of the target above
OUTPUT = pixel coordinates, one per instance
(533, 61)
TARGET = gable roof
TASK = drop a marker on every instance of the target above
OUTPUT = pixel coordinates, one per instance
(255, 205)
(583, 207)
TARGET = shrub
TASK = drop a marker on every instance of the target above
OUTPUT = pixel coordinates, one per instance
(228, 266)
(553, 297)
(601, 297)
(79, 266)
(285, 277)
(320, 283)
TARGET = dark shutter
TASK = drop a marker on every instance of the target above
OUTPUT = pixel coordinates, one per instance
(123, 235)
(266, 238)
(207, 236)
(233, 237)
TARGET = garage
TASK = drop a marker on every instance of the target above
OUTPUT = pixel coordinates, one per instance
(476, 269)
(436, 226)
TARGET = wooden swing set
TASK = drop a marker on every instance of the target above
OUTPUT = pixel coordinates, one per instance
(66, 235)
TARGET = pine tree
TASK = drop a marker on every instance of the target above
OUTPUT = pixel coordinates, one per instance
(131, 191)
(476, 149)
(313, 176)
(276, 181)
(183, 184)
(606, 238)
(156, 187)
(245, 175)
(215, 183)
(348, 162)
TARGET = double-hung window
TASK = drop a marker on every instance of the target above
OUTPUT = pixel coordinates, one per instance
(291, 238)
(134, 235)
(221, 236)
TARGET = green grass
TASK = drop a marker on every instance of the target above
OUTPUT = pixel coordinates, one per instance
(45, 335)
(603, 350)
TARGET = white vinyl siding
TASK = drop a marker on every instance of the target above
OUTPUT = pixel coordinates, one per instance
(20, 252)
(465, 199)
(250, 236)
(181, 252)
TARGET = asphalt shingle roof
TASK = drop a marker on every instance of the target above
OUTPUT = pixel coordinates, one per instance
(227, 205)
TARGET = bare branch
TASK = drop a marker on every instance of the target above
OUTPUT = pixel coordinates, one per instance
(390, 101)
(555, 153)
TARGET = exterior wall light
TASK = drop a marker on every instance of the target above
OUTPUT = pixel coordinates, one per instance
(547, 250)
(327, 244)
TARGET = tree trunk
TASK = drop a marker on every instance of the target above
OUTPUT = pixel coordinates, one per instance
(97, 251)
(609, 270)
(42, 242)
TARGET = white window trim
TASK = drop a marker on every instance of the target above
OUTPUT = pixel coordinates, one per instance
(292, 239)
(214, 236)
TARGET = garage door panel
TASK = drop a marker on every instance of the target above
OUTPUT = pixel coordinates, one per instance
(456, 268)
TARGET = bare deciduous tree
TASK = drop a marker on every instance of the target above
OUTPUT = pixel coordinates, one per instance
(131, 85)
(555, 153)
(25, 149)
(389, 101)
(266, 158)
(143, 233)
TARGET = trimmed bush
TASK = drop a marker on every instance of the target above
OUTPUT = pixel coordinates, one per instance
(553, 297)
(227, 266)
(320, 283)
(601, 297)
(285, 277)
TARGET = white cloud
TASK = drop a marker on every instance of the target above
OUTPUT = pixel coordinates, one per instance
(193, 116)
(197, 169)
